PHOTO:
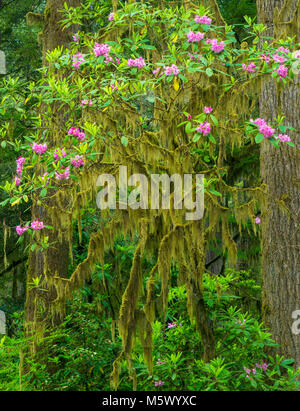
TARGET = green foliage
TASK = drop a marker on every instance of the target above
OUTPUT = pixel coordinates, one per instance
(78, 355)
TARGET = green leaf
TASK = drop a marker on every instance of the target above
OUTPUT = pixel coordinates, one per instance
(212, 139)
(209, 72)
(43, 192)
(124, 141)
(259, 138)
(214, 192)
(196, 137)
(215, 121)
(3, 144)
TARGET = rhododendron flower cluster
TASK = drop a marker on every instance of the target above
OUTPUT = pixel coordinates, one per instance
(282, 71)
(76, 133)
(263, 366)
(283, 49)
(86, 102)
(158, 383)
(37, 225)
(207, 110)
(77, 161)
(138, 62)
(63, 174)
(20, 161)
(21, 230)
(204, 128)
(76, 38)
(111, 16)
(265, 57)
(194, 56)
(101, 49)
(284, 138)
(216, 47)
(195, 37)
(172, 325)
(202, 20)
(171, 70)
(257, 220)
(264, 129)
(39, 148)
(59, 153)
(250, 68)
(78, 59)
(277, 58)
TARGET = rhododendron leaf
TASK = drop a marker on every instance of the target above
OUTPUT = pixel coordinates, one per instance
(124, 141)
(215, 121)
(259, 138)
(212, 139)
(43, 192)
(196, 137)
(214, 192)
(290, 144)
(209, 72)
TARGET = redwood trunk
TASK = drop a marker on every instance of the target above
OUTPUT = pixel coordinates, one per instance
(280, 170)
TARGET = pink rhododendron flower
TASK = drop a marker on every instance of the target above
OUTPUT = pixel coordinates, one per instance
(45, 178)
(63, 175)
(138, 62)
(20, 230)
(282, 71)
(78, 59)
(17, 180)
(77, 133)
(202, 19)
(114, 87)
(204, 128)
(20, 161)
(86, 102)
(77, 161)
(266, 130)
(158, 383)
(37, 225)
(194, 37)
(76, 38)
(169, 70)
(59, 153)
(195, 56)
(284, 138)
(156, 70)
(283, 49)
(257, 220)
(265, 57)
(207, 110)
(189, 117)
(101, 49)
(277, 58)
(216, 47)
(263, 366)
(258, 121)
(171, 325)
(39, 148)
(250, 68)
(111, 16)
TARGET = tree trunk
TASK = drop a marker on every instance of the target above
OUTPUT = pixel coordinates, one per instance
(280, 170)
(38, 301)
